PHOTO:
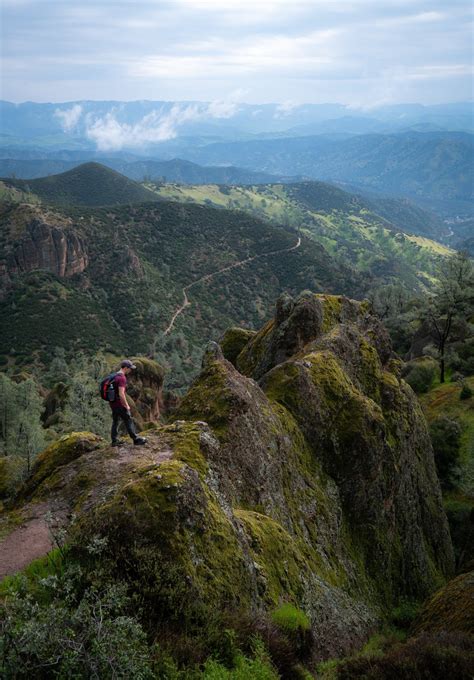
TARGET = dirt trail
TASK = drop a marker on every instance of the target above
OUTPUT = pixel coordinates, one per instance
(207, 277)
(33, 539)
(25, 544)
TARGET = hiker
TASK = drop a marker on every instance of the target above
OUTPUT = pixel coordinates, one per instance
(120, 407)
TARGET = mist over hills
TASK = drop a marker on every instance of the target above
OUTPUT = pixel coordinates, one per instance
(225, 118)
(425, 153)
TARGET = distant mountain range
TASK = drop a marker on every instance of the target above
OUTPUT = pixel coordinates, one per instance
(139, 123)
(175, 170)
(425, 165)
(425, 153)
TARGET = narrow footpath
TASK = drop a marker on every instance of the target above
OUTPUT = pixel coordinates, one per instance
(207, 277)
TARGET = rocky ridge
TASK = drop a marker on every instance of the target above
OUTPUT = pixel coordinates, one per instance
(300, 472)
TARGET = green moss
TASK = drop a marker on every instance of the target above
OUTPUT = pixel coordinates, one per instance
(289, 618)
(390, 380)
(187, 447)
(254, 351)
(333, 386)
(233, 342)
(371, 369)
(147, 369)
(332, 307)
(451, 608)
(278, 559)
(210, 399)
(65, 450)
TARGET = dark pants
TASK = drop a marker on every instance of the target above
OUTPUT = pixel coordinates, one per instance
(118, 414)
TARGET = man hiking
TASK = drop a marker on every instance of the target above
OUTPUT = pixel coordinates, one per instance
(120, 407)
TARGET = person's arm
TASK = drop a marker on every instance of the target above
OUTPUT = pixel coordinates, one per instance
(123, 398)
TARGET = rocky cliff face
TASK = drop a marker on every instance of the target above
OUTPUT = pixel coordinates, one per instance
(301, 472)
(44, 246)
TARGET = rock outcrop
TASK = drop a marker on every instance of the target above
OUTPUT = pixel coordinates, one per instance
(45, 246)
(451, 608)
(301, 473)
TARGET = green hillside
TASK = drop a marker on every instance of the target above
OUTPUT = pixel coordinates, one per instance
(344, 224)
(88, 184)
(134, 262)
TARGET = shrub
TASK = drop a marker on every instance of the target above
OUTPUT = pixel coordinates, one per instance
(289, 618)
(436, 656)
(405, 614)
(257, 668)
(92, 637)
(285, 655)
(466, 391)
(446, 438)
(421, 376)
(296, 625)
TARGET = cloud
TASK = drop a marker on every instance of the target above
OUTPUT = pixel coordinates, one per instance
(285, 108)
(109, 134)
(69, 118)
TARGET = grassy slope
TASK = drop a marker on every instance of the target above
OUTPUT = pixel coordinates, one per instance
(444, 401)
(88, 184)
(337, 220)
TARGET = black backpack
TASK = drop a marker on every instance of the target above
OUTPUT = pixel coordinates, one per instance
(107, 388)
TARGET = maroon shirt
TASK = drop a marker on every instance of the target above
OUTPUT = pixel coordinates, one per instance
(120, 381)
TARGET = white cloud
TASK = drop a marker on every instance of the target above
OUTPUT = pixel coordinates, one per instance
(285, 108)
(110, 134)
(69, 118)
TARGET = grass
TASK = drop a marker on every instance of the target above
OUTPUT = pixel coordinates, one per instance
(333, 219)
(443, 401)
(375, 647)
(50, 565)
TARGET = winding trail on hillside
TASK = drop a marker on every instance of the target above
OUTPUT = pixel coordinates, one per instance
(207, 277)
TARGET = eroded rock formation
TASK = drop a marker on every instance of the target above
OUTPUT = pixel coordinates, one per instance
(302, 472)
(44, 246)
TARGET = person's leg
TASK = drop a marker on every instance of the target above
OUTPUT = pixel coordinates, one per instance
(129, 424)
(115, 422)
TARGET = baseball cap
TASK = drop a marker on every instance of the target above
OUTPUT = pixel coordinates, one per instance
(126, 363)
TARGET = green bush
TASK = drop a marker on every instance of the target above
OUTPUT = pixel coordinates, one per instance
(421, 376)
(290, 619)
(405, 614)
(466, 391)
(446, 439)
(89, 638)
(257, 668)
(435, 656)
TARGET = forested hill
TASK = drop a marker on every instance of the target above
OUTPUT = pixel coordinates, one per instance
(348, 227)
(87, 184)
(111, 278)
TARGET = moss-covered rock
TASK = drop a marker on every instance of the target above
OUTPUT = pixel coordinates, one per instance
(145, 387)
(233, 342)
(451, 608)
(314, 486)
(59, 454)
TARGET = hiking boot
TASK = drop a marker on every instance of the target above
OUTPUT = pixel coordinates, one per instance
(139, 441)
(117, 442)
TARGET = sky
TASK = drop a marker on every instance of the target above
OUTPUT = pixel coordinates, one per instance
(361, 53)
